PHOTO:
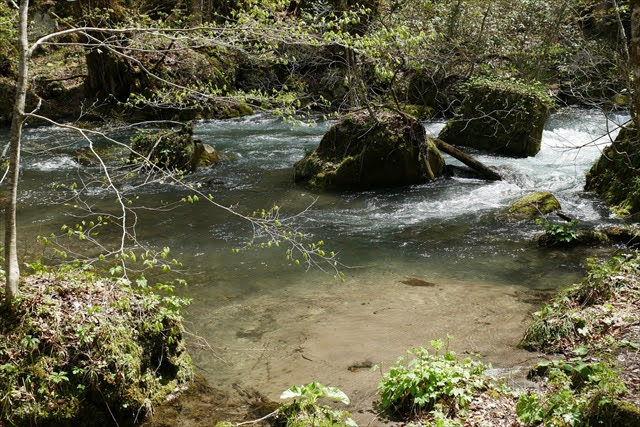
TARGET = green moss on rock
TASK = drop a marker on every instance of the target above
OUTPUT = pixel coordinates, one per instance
(601, 411)
(615, 175)
(173, 150)
(421, 112)
(500, 116)
(231, 110)
(533, 205)
(80, 350)
(362, 152)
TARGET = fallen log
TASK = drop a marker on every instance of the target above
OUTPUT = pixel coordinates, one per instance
(484, 171)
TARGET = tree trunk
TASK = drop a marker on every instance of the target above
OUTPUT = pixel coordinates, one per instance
(635, 62)
(484, 171)
(12, 268)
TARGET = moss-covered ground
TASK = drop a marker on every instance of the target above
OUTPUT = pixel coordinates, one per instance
(82, 350)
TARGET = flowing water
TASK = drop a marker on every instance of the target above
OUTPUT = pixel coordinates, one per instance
(271, 324)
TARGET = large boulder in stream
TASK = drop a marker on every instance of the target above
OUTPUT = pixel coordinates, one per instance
(615, 175)
(500, 116)
(363, 152)
(173, 150)
(533, 205)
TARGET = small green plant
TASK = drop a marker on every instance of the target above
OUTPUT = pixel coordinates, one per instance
(305, 410)
(314, 391)
(430, 381)
(561, 232)
(577, 390)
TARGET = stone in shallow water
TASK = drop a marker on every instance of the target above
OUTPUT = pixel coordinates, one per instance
(533, 205)
(500, 116)
(364, 152)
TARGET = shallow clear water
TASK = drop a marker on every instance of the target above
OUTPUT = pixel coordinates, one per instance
(272, 324)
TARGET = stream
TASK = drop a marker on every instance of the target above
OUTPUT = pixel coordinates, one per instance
(424, 262)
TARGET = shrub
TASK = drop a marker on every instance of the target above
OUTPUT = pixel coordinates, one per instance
(560, 232)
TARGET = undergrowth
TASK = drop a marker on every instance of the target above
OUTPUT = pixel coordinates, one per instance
(596, 318)
(430, 382)
(75, 347)
(576, 394)
(581, 313)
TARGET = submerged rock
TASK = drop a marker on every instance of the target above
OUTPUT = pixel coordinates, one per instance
(363, 152)
(500, 116)
(173, 150)
(615, 175)
(533, 205)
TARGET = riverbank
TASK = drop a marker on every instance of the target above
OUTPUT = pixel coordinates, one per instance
(260, 313)
(79, 349)
(589, 332)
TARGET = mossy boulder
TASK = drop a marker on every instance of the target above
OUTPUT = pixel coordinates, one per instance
(129, 81)
(79, 350)
(421, 112)
(602, 411)
(173, 150)
(615, 175)
(500, 116)
(363, 152)
(533, 205)
(437, 90)
(231, 110)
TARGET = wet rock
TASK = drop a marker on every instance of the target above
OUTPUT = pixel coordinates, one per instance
(366, 364)
(364, 152)
(615, 175)
(533, 205)
(173, 150)
(500, 116)
(461, 172)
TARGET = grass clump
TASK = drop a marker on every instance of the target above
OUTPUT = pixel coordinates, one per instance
(77, 348)
(440, 383)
